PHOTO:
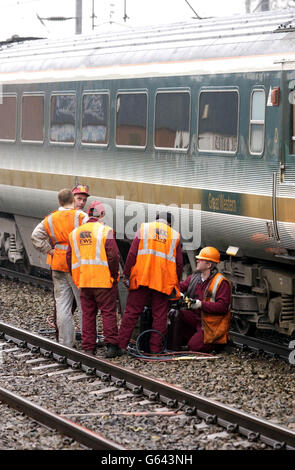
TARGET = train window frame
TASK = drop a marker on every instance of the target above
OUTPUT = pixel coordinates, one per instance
(96, 92)
(12, 95)
(132, 92)
(256, 122)
(221, 90)
(28, 141)
(62, 93)
(173, 91)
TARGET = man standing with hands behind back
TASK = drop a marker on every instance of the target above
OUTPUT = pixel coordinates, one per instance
(51, 237)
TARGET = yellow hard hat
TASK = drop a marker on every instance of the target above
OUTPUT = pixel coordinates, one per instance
(209, 253)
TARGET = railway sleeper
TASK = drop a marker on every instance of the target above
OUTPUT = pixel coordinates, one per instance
(168, 401)
(88, 370)
(134, 388)
(251, 435)
(153, 396)
(10, 340)
(74, 364)
(46, 353)
(60, 359)
(118, 382)
(103, 376)
(34, 349)
(276, 445)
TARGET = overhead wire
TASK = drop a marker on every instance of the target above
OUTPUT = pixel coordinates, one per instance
(15, 3)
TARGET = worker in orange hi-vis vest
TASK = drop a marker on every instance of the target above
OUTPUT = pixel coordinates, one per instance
(152, 271)
(93, 256)
(51, 237)
(81, 194)
(205, 326)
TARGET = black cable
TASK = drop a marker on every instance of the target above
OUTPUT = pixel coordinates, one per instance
(149, 331)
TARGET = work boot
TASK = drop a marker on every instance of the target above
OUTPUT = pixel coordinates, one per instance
(122, 352)
(99, 342)
(113, 351)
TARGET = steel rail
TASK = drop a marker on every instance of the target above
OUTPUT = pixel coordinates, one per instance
(213, 412)
(81, 434)
(26, 278)
(259, 345)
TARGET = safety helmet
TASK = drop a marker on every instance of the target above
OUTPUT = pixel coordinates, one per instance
(209, 253)
(81, 189)
(95, 209)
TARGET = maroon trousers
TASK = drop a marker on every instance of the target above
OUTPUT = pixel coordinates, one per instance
(136, 301)
(193, 334)
(92, 300)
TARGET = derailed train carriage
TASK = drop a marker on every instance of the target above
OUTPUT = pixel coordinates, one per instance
(198, 116)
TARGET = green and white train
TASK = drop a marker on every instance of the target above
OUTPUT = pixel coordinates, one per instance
(196, 116)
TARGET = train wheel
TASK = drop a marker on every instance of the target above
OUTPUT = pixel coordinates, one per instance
(24, 266)
(242, 326)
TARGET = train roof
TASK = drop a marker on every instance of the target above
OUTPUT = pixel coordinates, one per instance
(260, 34)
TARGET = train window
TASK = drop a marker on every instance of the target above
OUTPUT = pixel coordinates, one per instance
(131, 121)
(63, 118)
(32, 124)
(172, 120)
(257, 118)
(218, 121)
(8, 118)
(95, 118)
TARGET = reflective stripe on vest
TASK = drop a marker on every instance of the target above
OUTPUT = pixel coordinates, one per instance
(155, 265)
(215, 327)
(98, 260)
(58, 225)
(51, 229)
(61, 247)
(146, 251)
(213, 291)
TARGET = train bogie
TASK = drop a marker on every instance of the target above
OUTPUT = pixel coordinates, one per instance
(263, 296)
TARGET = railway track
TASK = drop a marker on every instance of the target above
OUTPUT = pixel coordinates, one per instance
(259, 346)
(151, 391)
(85, 436)
(20, 276)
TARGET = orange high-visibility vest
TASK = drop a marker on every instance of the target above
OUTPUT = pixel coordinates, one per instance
(215, 327)
(155, 265)
(58, 225)
(89, 260)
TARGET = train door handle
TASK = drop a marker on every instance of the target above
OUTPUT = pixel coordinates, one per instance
(274, 205)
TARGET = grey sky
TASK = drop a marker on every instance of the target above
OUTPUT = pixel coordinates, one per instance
(20, 16)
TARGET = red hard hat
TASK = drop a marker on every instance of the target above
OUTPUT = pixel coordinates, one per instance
(81, 189)
(96, 208)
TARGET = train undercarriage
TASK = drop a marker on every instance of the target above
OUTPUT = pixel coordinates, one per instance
(263, 296)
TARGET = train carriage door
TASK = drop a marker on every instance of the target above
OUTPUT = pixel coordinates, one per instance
(289, 164)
